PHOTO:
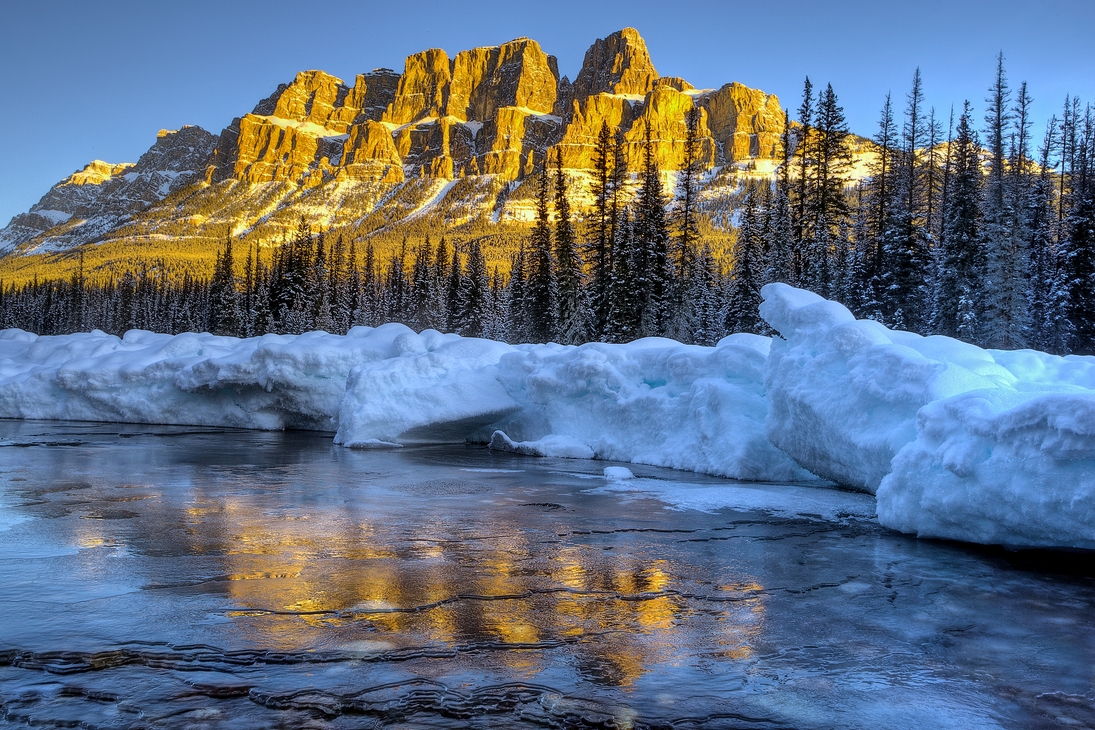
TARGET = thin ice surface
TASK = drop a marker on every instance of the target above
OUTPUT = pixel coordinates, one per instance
(163, 577)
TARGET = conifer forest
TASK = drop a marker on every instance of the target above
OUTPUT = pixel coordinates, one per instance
(965, 226)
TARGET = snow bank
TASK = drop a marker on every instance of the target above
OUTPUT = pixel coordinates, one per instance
(268, 382)
(432, 388)
(652, 401)
(958, 442)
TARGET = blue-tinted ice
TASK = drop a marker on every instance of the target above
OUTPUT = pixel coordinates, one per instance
(161, 577)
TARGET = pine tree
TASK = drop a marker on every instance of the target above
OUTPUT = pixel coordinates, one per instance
(474, 299)
(396, 286)
(542, 289)
(806, 162)
(437, 302)
(516, 325)
(604, 223)
(321, 290)
(687, 232)
(963, 259)
(1047, 295)
(746, 277)
(650, 234)
(421, 290)
(624, 316)
(573, 305)
(1080, 228)
(780, 239)
(453, 288)
(996, 227)
(705, 316)
(225, 317)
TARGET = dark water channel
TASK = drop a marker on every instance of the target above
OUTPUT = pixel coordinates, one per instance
(158, 577)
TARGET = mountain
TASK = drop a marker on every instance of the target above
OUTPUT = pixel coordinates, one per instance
(445, 146)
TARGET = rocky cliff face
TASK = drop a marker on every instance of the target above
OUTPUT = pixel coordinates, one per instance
(746, 122)
(618, 64)
(298, 133)
(103, 196)
(496, 111)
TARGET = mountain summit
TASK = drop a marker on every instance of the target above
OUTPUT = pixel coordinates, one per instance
(448, 139)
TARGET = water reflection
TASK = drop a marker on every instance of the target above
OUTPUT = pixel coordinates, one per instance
(271, 565)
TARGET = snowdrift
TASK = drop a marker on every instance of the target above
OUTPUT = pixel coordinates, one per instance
(652, 401)
(955, 441)
(958, 442)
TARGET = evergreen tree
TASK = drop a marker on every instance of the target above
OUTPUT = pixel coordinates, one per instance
(996, 225)
(780, 239)
(453, 288)
(573, 305)
(321, 289)
(650, 234)
(604, 223)
(624, 317)
(542, 290)
(743, 296)
(225, 317)
(806, 162)
(396, 286)
(475, 296)
(437, 302)
(421, 292)
(963, 257)
(516, 325)
(1080, 229)
(687, 232)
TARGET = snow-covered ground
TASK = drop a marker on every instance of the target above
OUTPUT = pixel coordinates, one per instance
(956, 442)
(653, 401)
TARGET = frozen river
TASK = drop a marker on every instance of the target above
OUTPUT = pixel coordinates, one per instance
(171, 577)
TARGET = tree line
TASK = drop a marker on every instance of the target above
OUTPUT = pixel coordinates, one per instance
(963, 229)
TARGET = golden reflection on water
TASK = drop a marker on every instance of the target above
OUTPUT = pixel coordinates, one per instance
(290, 575)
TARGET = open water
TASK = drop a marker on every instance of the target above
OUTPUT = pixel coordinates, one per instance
(166, 577)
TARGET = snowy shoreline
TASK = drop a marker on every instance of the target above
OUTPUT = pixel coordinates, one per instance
(956, 442)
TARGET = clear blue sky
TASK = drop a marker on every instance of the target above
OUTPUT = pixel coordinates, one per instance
(97, 80)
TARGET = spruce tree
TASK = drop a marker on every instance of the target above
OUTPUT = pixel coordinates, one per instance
(743, 294)
(516, 296)
(573, 314)
(225, 317)
(996, 225)
(604, 221)
(958, 309)
(1079, 227)
(454, 285)
(475, 296)
(321, 289)
(650, 233)
(421, 290)
(624, 316)
(542, 289)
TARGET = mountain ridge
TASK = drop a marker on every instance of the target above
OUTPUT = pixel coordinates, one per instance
(447, 142)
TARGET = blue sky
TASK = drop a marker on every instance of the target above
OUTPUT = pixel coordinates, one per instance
(97, 80)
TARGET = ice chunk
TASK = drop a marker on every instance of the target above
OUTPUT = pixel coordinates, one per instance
(652, 401)
(998, 466)
(563, 447)
(843, 393)
(618, 473)
(436, 388)
(962, 443)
